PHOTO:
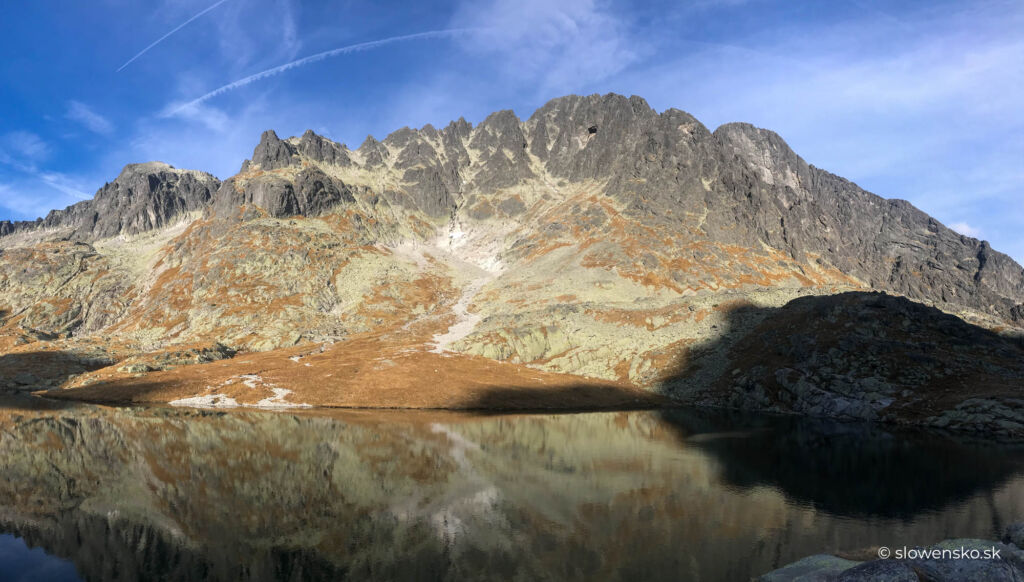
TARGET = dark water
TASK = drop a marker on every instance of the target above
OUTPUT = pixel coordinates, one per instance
(20, 563)
(164, 494)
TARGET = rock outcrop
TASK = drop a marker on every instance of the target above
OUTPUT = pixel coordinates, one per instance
(142, 198)
(870, 356)
(952, 560)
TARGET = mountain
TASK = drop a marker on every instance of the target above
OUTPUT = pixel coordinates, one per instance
(144, 197)
(595, 254)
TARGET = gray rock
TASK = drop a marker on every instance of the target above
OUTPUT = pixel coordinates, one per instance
(374, 153)
(657, 163)
(1008, 567)
(879, 571)
(817, 568)
(320, 149)
(273, 153)
(25, 379)
(311, 193)
(1015, 535)
(667, 167)
(142, 198)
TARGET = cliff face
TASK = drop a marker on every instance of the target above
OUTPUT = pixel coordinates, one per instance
(597, 238)
(142, 198)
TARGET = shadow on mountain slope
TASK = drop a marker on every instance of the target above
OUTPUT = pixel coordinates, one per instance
(856, 355)
(861, 356)
(832, 363)
(28, 371)
(576, 397)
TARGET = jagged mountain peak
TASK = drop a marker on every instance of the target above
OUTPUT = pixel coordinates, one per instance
(739, 185)
(143, 197)
(596, 105)
(144, 167)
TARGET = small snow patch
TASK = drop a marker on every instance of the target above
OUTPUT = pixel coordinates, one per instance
(276, 402)
(208, 401)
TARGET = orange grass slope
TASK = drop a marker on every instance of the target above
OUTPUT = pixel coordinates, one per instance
(372, 371)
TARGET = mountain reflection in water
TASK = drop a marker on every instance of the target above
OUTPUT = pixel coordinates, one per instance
(689, 494)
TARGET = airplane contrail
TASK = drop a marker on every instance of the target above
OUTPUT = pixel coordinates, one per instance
(319, 57)
(164, 37)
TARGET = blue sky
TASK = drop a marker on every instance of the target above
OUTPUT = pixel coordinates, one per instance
(915, 100)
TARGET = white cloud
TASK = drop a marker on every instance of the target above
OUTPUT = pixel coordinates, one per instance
(554, 46)
(290, 42)
(22, 152)
(22, 147)
(83, 114)
(19, 204)
(257, 32)
(200, 136)
(27, 201)
(198, 112)
(966, 229)
(64, 184)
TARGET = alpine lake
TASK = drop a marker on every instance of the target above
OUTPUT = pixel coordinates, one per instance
(160, 493)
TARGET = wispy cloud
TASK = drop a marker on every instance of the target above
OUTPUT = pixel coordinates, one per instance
(82, 113)
(23, 151)
(21, 204)
(64, 184)
(176, 109)
(22, 147)
(966, 229)
(554, 46)
(166, 36)
(25, 201)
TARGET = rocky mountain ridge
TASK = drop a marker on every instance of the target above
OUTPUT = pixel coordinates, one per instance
(142, 198)
(597, 238)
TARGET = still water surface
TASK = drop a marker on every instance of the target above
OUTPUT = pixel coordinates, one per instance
(166, 494)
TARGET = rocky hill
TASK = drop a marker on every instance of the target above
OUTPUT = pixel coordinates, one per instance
(598, 245)
(143, 198)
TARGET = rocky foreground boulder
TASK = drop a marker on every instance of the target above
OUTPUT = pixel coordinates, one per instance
(950, 560)
(596, 246)
(868, 356)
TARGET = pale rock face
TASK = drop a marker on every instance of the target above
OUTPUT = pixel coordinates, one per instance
(598, 238)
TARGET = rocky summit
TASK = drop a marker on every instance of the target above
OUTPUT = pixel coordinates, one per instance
(596, 254)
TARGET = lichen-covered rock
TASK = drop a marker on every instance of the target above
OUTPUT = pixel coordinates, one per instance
(879, 571)
(818, 568)
(953, 560)
(1008, 566)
